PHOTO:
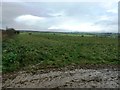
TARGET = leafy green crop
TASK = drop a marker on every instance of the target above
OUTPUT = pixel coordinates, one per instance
(57, 50)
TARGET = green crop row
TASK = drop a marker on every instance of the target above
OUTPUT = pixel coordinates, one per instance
(57, 50)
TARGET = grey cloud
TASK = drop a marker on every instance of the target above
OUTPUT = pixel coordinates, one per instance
(111, 21)
(81, 12)
(106, 23)
(10, 11)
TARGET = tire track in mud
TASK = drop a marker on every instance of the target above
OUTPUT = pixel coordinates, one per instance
(77, 78)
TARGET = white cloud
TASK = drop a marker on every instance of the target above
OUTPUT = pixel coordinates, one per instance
(54, 27)
(113, 11)
(111, 6)
(108, 23)
(62, 18)
(57, 14)
(81, 27)
(29, 19)
(107, 18)
(60, 0)
(104, 17)
(112, 28)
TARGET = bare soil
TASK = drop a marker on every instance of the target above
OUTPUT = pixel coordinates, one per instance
(68, 77)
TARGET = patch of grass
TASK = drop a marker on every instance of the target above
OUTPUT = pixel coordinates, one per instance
(57, 50)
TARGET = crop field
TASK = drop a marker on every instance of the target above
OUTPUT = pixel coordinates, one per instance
(0, 52)
(56, 50)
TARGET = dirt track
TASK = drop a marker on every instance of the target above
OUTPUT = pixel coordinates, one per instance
(0, 81)
(76, 78)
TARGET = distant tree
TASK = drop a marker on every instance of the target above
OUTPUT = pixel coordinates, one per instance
(30, 33)
(17, 32)
(10, 31)
(82, 35)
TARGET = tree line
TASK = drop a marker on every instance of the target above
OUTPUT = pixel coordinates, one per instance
(9, 32)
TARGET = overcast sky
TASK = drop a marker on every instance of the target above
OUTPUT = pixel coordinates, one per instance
(61, 16)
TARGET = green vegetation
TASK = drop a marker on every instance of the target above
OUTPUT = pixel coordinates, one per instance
(57, 50)
(0, 52)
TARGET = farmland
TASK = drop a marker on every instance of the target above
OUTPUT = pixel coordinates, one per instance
(0, 51)
(44, 50)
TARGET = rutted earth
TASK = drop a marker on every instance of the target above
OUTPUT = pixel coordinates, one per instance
(0, 80)
(77, 78)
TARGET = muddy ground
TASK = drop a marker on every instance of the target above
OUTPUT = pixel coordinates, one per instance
(0, 80)
(65, 78)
